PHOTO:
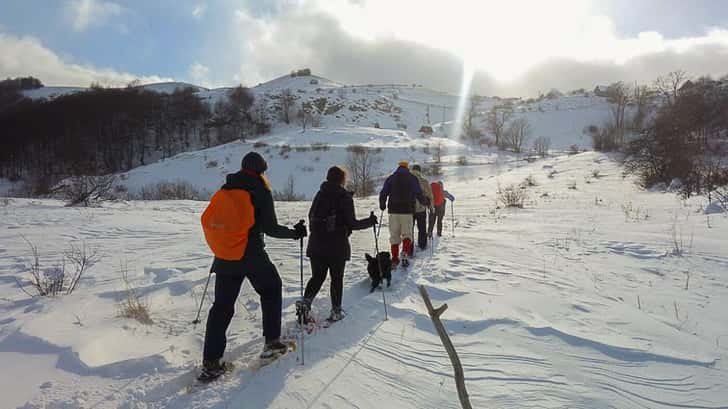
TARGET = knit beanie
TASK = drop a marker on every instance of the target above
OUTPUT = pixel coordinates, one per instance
(254, 162)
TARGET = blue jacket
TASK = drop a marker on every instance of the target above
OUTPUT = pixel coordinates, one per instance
(402, 189)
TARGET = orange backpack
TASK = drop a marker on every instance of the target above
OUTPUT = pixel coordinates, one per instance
(226, 222)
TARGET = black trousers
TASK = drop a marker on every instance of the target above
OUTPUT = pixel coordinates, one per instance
(264, 277)
(421, 221)
(436, 217)
(320, 266)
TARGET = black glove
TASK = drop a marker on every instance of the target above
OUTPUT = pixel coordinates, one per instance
(373, 219)
(301, 230)
(382, 206)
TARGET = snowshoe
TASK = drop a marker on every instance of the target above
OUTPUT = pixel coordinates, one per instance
(212, 370)
(274, 349)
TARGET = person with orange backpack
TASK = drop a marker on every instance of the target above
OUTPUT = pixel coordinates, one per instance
(234, 223)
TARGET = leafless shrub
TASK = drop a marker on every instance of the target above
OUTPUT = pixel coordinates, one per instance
(320, 146)
(571, 185)
(211, 164)
(596, 174)
(362, 165)
(553, 173)
(288, 194)
(87, 190)
(81, 258)
(462, 160)
(284, 150)
(574, 149)
(165, 190)
(133, 306)
(541, 146)
(517, 135)
(260, 144)
(57, 280)
(529, 181)
(302, 148)
(511, 196)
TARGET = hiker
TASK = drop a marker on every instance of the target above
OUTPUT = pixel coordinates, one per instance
(331, 219)
(421, 210)
(255, 265)
(398, 195)
(437, 211)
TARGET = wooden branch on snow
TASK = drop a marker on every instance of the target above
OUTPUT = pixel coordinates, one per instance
(435, 314)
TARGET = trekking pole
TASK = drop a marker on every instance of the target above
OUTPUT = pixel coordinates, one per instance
(452, 215)
(381, 218)
(379, 262)
(300, 316)
(202, 300)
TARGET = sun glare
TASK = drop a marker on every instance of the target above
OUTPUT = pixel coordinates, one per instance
(501, 38)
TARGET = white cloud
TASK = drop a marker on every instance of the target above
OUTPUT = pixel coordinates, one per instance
(91, 13)
(414, 41)
(23, 56)
(199, 10)
(199, 74)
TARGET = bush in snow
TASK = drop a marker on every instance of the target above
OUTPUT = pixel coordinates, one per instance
(462, 160)
(86, 190)
(511, 196)
(211, 164)
(529, 181)
(133, 306)
(61, 278)
(288, 194)
(177, 190)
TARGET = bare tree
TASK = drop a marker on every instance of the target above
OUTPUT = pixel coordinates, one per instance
(362, 164)
(541, 146)
(517, 135)
(496, 121)
(286, 100)
(669, 85)
(641, 96)
(288, 194)
(618, 96)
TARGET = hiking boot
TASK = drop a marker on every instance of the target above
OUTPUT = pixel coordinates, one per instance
(212, 370)
(337, 314)
(273, 348)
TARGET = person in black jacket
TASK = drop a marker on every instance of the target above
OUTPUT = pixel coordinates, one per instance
(331, 220)
(255, 265)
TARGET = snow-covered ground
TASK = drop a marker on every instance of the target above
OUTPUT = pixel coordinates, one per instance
(577, 300)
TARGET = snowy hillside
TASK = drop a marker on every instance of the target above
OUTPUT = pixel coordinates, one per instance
(386, 116)
(303, 156)
(595, 295)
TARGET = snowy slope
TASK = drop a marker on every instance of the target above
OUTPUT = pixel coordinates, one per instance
(577, 300)
(206, 169)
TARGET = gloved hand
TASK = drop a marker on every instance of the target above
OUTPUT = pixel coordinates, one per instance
(373, 219)
(301, 230)
(382, 206)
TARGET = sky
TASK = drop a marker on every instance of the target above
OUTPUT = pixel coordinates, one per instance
(507, 47)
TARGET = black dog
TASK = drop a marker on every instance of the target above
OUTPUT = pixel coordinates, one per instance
(383, 259)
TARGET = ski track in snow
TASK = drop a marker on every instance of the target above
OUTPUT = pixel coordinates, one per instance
(565, 303)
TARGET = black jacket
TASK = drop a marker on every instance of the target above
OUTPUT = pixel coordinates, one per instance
(266, 222)
(331, 221)
(402, 189)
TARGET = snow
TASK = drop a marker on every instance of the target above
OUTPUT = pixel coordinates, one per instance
(51, 92)
(206, 169)
(577, 300)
